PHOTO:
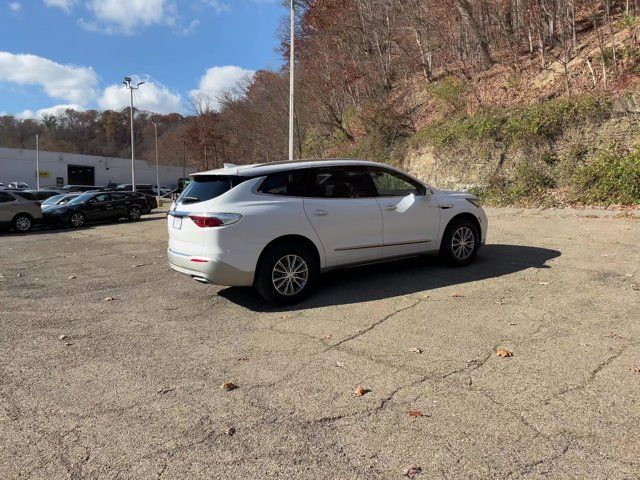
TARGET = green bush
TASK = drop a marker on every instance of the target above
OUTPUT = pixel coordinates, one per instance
(449, 92)
(513, 126)
(612, 178)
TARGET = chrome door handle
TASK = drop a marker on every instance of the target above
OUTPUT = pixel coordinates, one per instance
(320, 213)
(391, 208)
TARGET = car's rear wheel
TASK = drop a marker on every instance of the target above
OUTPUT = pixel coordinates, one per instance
(286, 273)
(22, 223)
(135, 214)
(77, 220)
(460, 242)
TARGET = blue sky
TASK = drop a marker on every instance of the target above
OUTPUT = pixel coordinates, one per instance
(57, 53)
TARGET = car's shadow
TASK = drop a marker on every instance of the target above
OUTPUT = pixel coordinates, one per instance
(391, 279)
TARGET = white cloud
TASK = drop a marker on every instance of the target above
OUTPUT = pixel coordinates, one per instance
(67, 82)
(218, 80)
(128, 16)
(14, 6)
(219, 6)
(55, 110)
(65, 5)
(151, 96)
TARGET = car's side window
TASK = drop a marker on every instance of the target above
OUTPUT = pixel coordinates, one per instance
(5, 197)
(100, 198)
(392, 184)
(118, 197)
(291, 184)
(342, 182)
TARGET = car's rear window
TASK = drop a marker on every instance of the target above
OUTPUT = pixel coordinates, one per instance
(208, 187)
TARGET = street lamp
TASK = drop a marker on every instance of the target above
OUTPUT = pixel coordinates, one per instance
(155, 130)
(292, 62)
(37, 161)
(131, 87)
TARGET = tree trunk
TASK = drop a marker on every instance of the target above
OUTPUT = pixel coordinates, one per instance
(464, 9)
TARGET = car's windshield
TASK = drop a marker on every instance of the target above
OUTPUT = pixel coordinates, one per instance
(53, 200)
(80, 199)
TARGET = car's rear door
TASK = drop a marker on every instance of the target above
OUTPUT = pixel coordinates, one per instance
(8, 205)
(342, 208)
(410, 213)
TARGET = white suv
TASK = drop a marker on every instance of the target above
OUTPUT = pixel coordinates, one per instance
(278, 225)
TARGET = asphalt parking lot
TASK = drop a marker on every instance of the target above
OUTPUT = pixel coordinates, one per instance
(111, 365)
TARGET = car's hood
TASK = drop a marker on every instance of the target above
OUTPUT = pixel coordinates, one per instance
(56, 209)
(455, 193)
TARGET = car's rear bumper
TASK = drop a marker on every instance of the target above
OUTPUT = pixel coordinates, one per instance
(209, 270)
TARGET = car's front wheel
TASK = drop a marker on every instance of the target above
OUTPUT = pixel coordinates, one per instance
(286, 273)
(135, 214)
(22, 223)
(460, 242)
(77, 220)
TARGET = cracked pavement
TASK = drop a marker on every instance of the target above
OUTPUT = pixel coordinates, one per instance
(132, 391)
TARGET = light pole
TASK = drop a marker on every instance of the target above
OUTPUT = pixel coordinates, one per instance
(155, 130)
(292, 62)
(131, 87)
(37, 162)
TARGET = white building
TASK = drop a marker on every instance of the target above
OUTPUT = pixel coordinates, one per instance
(59, 169)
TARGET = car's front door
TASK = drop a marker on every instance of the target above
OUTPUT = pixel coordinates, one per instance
(120, 205)
(99, 207)
(341, 205)
(410, 213)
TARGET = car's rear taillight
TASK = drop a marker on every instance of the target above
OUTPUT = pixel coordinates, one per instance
(215, 219)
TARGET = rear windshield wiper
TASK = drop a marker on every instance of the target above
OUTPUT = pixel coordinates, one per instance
(189, 200)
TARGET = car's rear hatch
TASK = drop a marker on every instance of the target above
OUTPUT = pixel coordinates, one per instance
(185, 236)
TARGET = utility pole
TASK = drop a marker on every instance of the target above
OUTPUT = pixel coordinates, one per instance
(37, 162)
(155, 130)
(184, 158)
(292, 61)
(131, 87)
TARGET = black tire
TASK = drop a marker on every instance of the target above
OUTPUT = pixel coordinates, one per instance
(77, 220)
(267, 278)
(135, 213)
(456, 248)
(22, 223)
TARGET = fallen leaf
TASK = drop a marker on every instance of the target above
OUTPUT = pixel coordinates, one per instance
(412, 471)
(162, 391)
(545, 283)
(133, 256)
(360, 391)
(339, 364)
(19, 275)
(228, 386)
(243, 359)
(512, 323)
(72, 277)
(62, 337)
(637, 370)
(109, 299)
(415, 350)
(328, 336)
(457, 295)
(503, 352)
(415, 413)
(68, 344)
(230, 431)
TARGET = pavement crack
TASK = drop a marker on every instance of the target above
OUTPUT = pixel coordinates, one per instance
(373, 325)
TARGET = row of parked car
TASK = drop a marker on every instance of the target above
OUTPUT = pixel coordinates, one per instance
(74, 206)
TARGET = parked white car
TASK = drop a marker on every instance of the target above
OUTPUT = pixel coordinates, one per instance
(17, 212)
(277, 226)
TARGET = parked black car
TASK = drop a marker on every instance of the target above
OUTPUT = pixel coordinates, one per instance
(97, 207)
(79, 188)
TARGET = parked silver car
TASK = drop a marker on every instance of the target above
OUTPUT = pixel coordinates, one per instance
(17, 212)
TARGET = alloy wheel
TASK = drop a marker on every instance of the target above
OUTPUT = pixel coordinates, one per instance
(134, 213)
(463, 243)
(290, 275)
(23, 224)
(77, 220)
